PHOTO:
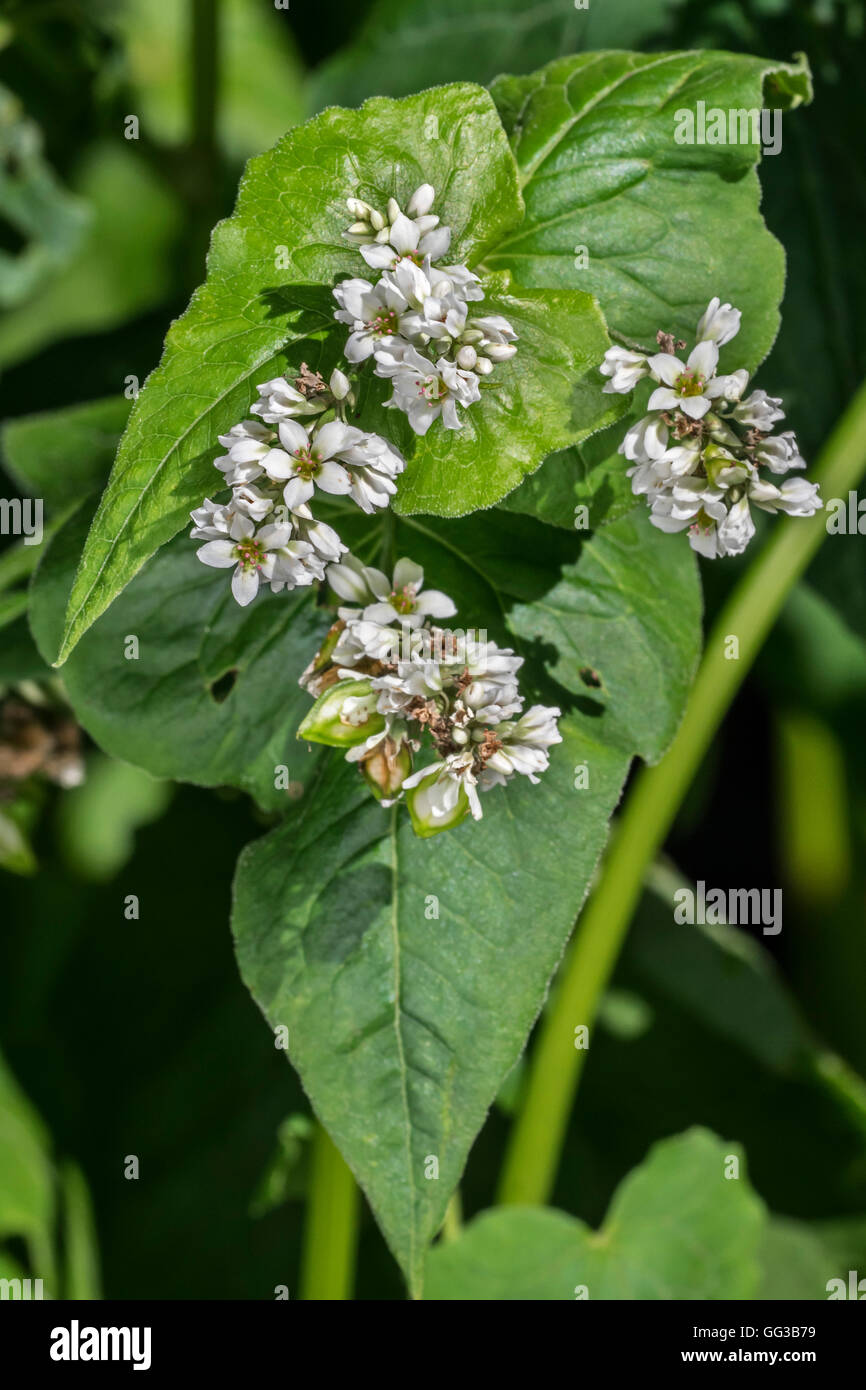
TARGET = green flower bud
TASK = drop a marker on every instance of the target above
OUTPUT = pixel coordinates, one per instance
(420, 804)
(344, 715)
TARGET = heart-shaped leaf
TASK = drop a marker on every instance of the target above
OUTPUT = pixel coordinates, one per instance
(691, 1187)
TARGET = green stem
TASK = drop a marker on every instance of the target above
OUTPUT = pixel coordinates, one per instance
(535, 1145)
(203, 172)
(204, 76)
(331, 1230)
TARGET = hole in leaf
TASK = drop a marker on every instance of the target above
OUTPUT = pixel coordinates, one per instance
(222, 688)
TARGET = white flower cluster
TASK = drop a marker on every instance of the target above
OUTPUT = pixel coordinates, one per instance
(697, 455)
(385, 677)
(414, 321)
(274, 465)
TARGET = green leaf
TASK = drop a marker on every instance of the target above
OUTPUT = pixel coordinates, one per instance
(401, 49)
(591, 476)
(212, 696)
(286, 231)
(402, 1027)
(62, 455)
(797, 1264)
(665, 226)
(621, 624)
(425, 1015)
(677, 1228)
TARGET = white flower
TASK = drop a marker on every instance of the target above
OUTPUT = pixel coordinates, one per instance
(780, 452)
(796, 496)
(759, 411)
(374, 312)
(438, 318)
(426, 392)
(373, 464)
(646, 440)
(486, 661)
(403, 599)
(522, 746)
(279, 400)
(719, 322)
(690, 386)
(736, 529)
(252, 555)
(625, 369)
(655, 473)
(323, 539)
(296, 564)
(487, 702)
(454, 279)
(252, 502)
(248, 444)
(308, 462)
(690, 501)
(211, 520)
(406, 239)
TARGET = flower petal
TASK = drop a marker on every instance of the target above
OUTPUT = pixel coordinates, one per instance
(219, 554)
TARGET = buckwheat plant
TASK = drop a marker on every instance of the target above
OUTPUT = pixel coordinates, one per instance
(390, 684)
(387, 683)
(697, 456)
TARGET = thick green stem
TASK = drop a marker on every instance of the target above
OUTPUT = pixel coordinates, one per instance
(533, 1154)
(331, 1230)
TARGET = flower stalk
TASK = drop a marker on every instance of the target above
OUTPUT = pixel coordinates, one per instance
(331, 1229)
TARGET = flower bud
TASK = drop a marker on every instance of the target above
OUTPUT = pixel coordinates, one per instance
(422, 200)
(349, 581)
(467, 358)
(339, 384)
(484, 366)
(426, 810)
(393, 209)
(358, 208)
(377, 221)
(359, 229)
(344, 715)
(499, 352)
